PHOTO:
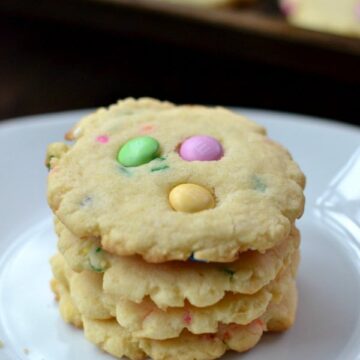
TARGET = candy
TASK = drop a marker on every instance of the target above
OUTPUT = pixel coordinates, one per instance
(138, 151)
(201, 148)
(191, 198)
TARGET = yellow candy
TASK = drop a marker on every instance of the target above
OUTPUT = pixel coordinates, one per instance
(191, 198)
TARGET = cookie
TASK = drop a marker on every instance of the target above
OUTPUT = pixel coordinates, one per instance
(281, 316)
(170, 284)
(112, 338)
(186, 347)
(85, 288)
(334, 16)
(148, 321)
(145, 320)
(146, 178)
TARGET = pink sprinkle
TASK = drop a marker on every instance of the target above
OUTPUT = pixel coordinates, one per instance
(208, 337)
(260, 323)
(187, 318)
(226, 336)
(147, 129)
(357, 10)
(53, 170)
(102, 139)
(257, 326)
(288, 7)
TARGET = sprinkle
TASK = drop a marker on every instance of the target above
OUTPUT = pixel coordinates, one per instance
(84, 251)
(147, 129)
(76, 132)
(193, 259)
(258, 184)
(125, 171)
(86, 201)
(54, 170)
(208, 337)
(357, 11)
(261, 323)
(96, 269)
(187, 318)
(102, 139)
(1, 344)
(256, 326)
(98, 250)
(48, 162)
(229, 272)
(288, 7)
(226, 336)
(159, 168)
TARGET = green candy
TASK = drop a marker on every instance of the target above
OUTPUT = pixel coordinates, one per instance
(138, 151)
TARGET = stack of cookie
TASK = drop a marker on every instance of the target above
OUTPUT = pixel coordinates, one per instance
(176, 228)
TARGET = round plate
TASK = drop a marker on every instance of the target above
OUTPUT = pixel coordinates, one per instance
(328, 322)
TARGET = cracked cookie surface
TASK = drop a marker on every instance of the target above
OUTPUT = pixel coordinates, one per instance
(257, 187)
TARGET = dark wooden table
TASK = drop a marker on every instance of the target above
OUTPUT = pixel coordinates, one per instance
(61, 55)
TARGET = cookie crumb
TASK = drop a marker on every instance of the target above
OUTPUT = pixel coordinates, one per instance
(1, 344)
(26, 351)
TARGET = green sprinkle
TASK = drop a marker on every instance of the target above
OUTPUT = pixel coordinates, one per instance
(97, 259)
(159, 168)
(161, 158)
(48, 161)
(94, 268)
(229, 272)
(125, 171)
(258, 184)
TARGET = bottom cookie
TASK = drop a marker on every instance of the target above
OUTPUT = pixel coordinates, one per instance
(112, 338)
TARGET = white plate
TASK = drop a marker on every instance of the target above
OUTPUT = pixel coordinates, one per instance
(328, 323)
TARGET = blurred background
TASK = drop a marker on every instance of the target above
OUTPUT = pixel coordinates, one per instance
(290, 55)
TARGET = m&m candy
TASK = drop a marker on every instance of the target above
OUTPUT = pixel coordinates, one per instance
(191, 198)
(201, 148)
(138, 151)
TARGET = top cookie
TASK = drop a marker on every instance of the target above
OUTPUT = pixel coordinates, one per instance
(239, 190)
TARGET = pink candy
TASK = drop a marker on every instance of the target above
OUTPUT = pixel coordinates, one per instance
(201, 148)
